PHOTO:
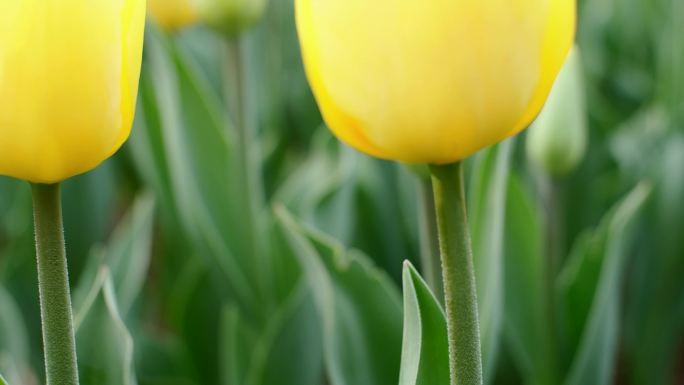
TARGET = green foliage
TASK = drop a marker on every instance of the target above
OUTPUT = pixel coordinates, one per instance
(184, 274)
(359, 307)
(487, 219)
(104, 345)
(595, 358)
(14, 344)
(425, 351)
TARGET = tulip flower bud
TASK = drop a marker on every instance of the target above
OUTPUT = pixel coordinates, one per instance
(68, 84)
(432, 81)
(172, 15)
(230, 16)
(557, 140)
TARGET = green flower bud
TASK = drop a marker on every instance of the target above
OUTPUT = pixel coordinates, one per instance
(230, 16)
(557, 140)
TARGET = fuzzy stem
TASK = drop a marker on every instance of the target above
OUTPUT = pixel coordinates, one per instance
(465, 357)
(59, 344)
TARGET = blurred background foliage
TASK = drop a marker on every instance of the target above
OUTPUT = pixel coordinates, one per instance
(234, 241)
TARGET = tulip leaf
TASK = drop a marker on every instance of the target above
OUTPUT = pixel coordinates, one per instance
(287, 351)
(293, 351)
(594, 361)
(127, 256)
(103, 343)
(237, 340)
(425, 350)
(487, 216)
(14, 343)
(106, 291)
(359, 307)
(2, 380)
(527, 325)
(356, 199)
(654, 311)
(192, 145)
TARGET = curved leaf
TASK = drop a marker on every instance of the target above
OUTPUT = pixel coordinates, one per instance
(104, 345)
(185, 147)
(594, 361)
(358, 304)
(487, 218)
(14, 342)
(526, 326)
(425, 350)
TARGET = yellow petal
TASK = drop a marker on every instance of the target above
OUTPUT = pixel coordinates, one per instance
(68, 84)
(172, 14)
(432, 82)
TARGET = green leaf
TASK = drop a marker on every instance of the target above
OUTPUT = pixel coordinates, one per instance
(355, 199)
(14, 343)
(487, 216)
(293, 350)
(359, 307)
(2, 380)
(104, 345)
(425, 350)
(594, 360)
(236, 348)
(200, 176)
(526, 326)
(654, 312)
(127, 256)
(287, 351)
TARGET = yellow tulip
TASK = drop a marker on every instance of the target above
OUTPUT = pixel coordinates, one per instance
(432, 81)
(172, 14)
(68, 83)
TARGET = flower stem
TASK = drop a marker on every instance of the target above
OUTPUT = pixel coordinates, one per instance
(239, 105)
(554, 249)
(59, 344)
(465, 357)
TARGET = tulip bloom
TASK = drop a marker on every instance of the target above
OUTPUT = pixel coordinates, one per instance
(68, 84)
(432, 81)
(172, 14)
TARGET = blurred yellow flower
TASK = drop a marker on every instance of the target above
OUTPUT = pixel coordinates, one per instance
(68, 83)
(432, 81)
(172, 14)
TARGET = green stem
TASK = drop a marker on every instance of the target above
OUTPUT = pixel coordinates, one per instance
(236, 88)
(429, 239)
(59, 344)
(465, 357)
(554, 248)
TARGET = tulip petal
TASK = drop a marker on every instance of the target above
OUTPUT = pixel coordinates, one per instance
(431, 82)
(68, 79)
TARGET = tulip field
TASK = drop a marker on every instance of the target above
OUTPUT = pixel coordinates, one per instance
(342, 192)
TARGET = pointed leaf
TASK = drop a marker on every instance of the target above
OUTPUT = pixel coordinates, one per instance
(526, 325)
(14, 343)
(191, 140)
(358, 304)
(594, 362)
(127, 256)
(425, 350)
(104, 345)
(487, 216)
